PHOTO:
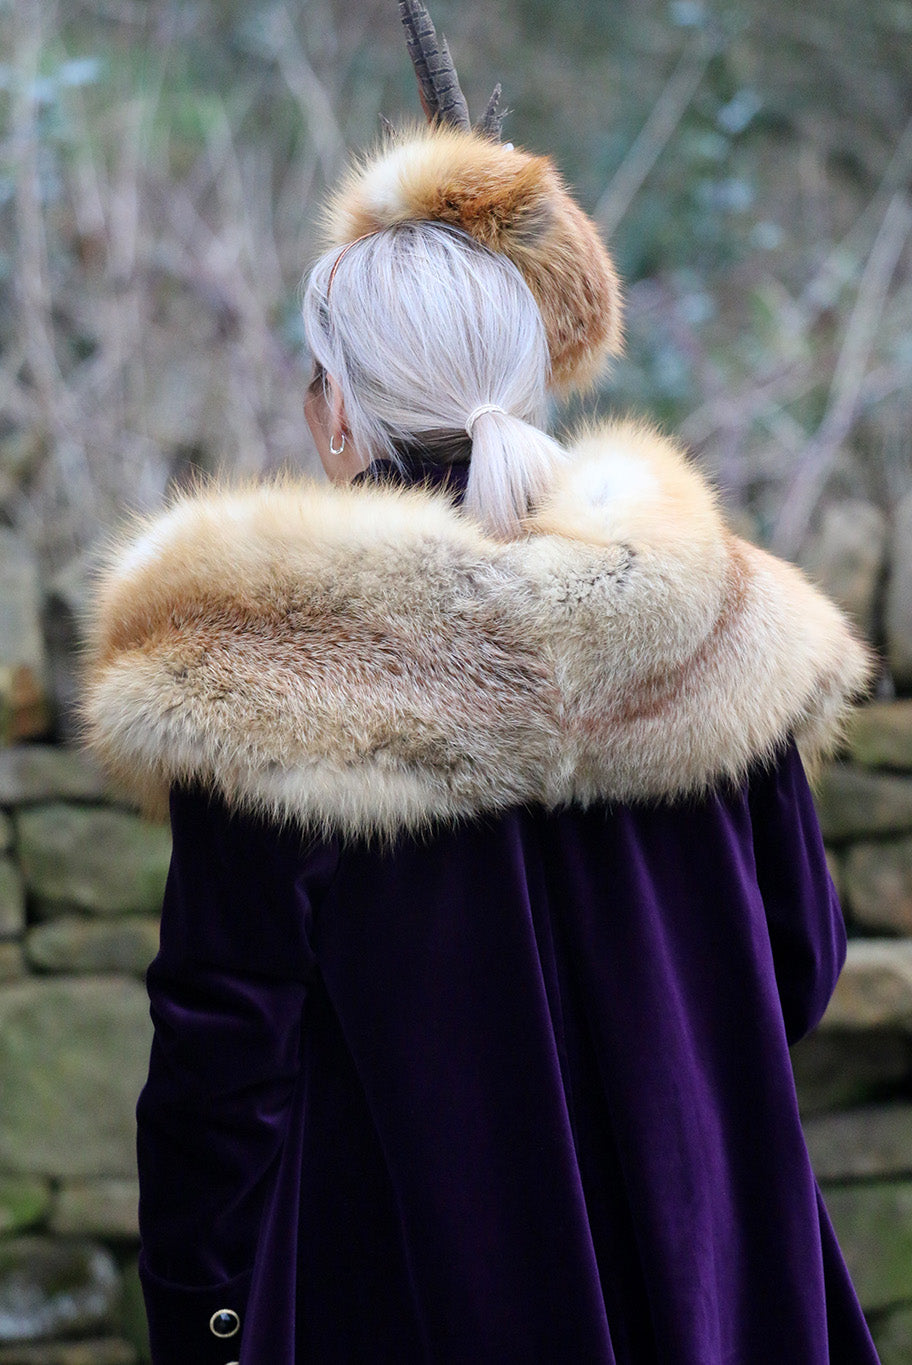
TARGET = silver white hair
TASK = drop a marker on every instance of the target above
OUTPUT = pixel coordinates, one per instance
(419, 327)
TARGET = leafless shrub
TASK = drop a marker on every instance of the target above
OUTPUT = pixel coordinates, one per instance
(155, 220)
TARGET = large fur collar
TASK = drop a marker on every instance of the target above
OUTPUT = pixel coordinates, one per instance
(366, 660)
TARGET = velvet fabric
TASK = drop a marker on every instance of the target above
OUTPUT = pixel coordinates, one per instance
(519, 1091)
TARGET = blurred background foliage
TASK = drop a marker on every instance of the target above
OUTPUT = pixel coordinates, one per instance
(162, 163)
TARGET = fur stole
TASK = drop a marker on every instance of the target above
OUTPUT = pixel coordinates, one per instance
(365, 660)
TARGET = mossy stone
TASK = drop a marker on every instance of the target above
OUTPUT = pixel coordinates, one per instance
(55, 1289)
(878, 884)
(92, 858)
(12, 900)
(23, 1203)
(76, 944)
(105, 1208)
(880, 735)
(73, 1058)
(893, 1337)
(875, 988)
(836, 1068)
(96, 1351)
(133, 1322)
(31, 773)
(853, 803)
(873, 1223)
(870, 1141)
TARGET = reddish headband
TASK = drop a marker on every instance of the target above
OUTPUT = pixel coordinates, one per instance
(338, 261)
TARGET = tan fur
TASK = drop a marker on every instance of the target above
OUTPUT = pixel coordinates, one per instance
(512, 202)
(365, 660)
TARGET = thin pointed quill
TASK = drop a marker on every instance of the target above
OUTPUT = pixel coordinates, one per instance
(438, 85)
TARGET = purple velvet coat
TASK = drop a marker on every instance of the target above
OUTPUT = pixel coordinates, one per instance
(519, 1091)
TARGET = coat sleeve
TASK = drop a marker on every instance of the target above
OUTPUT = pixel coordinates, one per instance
(806, 926)
(227, 993)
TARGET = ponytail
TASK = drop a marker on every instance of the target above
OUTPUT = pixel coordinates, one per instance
(512, 467)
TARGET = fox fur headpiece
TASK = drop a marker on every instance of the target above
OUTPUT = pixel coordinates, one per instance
(507, 199)
(511, 202)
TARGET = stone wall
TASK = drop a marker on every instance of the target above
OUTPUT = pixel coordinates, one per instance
(855, 1073)
(80, 885)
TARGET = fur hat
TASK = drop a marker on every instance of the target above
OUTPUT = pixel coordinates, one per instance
(510, 201)
(507, 199)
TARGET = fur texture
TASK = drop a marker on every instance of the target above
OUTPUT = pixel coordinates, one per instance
(364, 660)
(512, 202)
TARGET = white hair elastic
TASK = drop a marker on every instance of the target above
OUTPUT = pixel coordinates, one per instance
(479, 412)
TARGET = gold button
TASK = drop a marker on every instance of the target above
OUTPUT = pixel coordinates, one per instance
(224, 1323)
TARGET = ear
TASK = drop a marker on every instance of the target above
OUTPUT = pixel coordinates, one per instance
(336, 406)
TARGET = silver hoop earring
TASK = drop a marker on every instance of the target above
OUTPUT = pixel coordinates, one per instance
(341, 444)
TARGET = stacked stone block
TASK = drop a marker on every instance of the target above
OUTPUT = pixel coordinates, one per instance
(81, 882)
(855, 1075)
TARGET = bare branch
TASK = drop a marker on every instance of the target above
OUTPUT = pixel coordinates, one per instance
(33, 286)
(655, 134)
(848, 377)
(818, 291)
(311, 95)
